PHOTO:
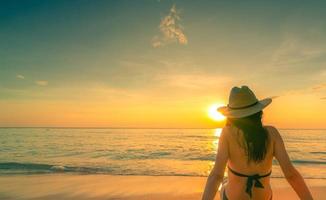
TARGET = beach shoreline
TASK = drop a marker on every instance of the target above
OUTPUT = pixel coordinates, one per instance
(121, 187)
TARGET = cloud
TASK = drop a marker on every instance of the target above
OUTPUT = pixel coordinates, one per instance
(302, 42)
(317, 90)
(274, 97)
(319, 87)
(171, 30)
(42, 83)
(294, 50)
(19, 76)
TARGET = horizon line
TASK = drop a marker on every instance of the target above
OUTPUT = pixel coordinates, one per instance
(108, 127)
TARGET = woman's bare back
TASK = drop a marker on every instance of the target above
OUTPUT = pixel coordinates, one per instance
(238, 161)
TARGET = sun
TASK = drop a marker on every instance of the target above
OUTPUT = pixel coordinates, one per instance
(214, 114)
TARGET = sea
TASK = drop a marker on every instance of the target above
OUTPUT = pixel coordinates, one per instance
(152, 152)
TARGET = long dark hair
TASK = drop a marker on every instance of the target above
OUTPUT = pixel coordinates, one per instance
(255, 135)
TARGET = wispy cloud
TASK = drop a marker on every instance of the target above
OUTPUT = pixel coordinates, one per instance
(293, 51)
(171, 30)
(42, 83)
(318, 90)
(301, 43)
(319, 87)
(19, 76)
(274, 97)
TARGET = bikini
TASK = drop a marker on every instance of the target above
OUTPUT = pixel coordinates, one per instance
(252, 181)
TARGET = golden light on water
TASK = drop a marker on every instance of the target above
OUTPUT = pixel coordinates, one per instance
(217, 132)
(214, 114)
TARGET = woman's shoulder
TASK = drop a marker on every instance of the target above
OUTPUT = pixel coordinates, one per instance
(270, 128)
(230, 131)
(273, 132)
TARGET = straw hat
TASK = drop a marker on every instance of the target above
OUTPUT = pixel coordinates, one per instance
(242, 103)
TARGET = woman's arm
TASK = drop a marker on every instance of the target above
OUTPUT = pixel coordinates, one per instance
(216, 175)
(291, 174)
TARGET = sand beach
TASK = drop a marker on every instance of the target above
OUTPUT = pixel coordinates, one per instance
(109, 187)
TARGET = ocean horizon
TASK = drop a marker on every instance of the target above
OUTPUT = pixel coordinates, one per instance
(126, 127)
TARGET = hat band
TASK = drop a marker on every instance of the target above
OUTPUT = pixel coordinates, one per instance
(243, 106)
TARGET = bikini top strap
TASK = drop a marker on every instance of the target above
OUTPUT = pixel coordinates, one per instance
(244, 175)
(236, 173)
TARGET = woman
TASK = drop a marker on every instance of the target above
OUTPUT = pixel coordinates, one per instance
(247, 148)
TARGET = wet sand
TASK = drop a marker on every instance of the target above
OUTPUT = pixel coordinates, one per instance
(98, 187)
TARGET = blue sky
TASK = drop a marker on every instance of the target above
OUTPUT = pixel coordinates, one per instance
(55, 51)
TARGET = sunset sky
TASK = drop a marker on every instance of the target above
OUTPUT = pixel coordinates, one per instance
(161, 63)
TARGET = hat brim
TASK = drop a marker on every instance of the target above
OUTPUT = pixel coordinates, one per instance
(239, 113)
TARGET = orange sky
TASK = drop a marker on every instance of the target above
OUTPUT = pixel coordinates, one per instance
(185, 110)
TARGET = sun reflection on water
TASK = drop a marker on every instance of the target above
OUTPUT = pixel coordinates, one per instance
(217, 132)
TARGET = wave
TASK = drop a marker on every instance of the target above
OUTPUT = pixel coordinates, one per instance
(303, 162)
(318, 152)
(309, 162)
(38, 168)
(32, 168)
(14, 168)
